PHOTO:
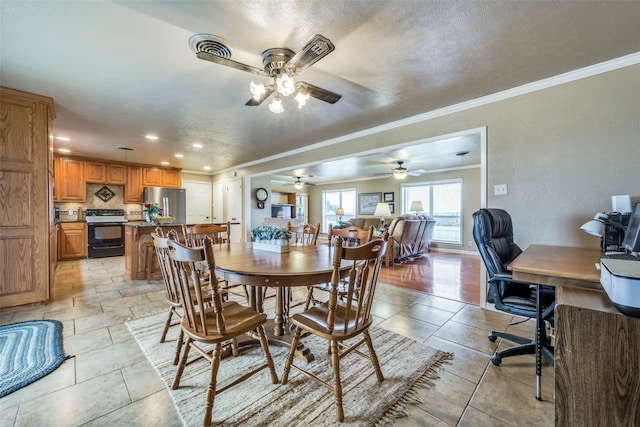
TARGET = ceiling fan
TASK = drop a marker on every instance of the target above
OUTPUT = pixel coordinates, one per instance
(299, 183)
(281, 64)
(401, 172)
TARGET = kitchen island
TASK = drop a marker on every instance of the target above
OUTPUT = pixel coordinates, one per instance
(137, 238)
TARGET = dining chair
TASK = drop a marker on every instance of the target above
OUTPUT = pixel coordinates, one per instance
(304, 234)
(172, 297)
(353, 237)
(339, 321)
(219, 234)
(219, 324)
(195, 234)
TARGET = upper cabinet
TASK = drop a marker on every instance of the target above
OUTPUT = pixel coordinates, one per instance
(171, 178)
(133, 186)
(156, 177)
(70, 180)
(95, 172)
(72, 174)
(116, 174)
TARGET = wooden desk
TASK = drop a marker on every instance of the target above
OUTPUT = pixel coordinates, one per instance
(302, 266)
(597, 357)
(558, 266)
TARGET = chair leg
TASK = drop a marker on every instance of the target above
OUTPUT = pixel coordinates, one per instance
(309, 298)
(267, 354)
(176, 358)
(181, 365)
(165, 329)
(287, 365)
(337, 386)
(374, 356)
(211, 389)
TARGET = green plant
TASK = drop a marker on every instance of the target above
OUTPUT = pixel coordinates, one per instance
(266, 232)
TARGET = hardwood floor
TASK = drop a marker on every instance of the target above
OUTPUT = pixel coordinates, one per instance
(443, 274)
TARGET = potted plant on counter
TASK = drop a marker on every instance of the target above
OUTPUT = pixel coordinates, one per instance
(151, 210)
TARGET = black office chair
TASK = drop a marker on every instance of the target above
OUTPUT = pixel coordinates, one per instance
(493, 234)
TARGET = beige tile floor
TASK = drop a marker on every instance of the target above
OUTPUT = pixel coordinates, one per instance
(110, 382)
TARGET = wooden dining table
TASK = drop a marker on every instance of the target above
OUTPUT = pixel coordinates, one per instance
(256, 269)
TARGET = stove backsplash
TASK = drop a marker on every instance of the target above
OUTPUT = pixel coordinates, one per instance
(69, 210)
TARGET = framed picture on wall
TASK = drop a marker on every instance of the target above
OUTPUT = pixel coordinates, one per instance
(367, 203)
(392, 208)
(388, 197)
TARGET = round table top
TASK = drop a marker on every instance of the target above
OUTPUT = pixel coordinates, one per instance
(301, 266)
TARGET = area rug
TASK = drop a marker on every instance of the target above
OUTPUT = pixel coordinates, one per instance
(406, 365)
(28, 351)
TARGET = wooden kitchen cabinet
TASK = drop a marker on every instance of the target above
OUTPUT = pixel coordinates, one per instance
(133, 185)
(152, 177)
(25, 196)
(116, 174)
(72, 240)
(170, 178)
(70, 177)
(157, 177)
(95, 172)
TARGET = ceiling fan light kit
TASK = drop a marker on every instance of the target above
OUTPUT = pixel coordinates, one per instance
(281, 64)
(400, 172)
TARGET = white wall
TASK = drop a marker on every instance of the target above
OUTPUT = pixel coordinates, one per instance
(562, 151)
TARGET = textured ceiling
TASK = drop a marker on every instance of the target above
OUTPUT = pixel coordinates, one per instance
(118, 70)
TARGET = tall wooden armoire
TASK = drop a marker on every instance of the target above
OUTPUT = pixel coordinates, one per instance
(26, 176)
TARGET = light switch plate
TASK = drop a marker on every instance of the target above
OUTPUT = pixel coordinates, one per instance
(500, 189)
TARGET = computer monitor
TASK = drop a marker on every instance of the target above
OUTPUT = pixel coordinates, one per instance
(631, 242)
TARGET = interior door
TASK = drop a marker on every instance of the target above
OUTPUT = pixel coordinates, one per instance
(198, 202)
(233, 203)
(218, 202)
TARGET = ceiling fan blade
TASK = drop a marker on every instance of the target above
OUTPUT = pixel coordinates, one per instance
(231, 63)
(316, 49)
(252, 101)
(319, 93)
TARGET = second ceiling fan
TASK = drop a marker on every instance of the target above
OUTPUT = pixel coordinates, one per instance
(281, 64)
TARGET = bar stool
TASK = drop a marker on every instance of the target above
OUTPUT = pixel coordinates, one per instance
(150, 253)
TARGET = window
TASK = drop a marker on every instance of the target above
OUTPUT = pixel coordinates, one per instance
(334, 199)
(441, 200)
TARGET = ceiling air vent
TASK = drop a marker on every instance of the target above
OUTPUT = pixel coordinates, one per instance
(210, 44)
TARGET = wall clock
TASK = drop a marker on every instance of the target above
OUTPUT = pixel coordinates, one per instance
(261, 196)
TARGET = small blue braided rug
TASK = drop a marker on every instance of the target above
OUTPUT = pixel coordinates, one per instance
(28, 351)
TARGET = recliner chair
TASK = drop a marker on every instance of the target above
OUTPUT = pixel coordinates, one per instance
(493, 234)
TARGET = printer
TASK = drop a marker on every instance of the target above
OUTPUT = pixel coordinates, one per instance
(621, 281)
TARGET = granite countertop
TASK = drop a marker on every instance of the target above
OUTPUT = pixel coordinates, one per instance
(70, 220)
(143, 224)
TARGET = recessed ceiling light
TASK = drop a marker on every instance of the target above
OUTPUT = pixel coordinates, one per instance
(178, 155)
(63, 138)
(64, 150)
(151, 137)
(125, 148)
(196, 145)
(164, 163)
(462, 153)
(207, 168)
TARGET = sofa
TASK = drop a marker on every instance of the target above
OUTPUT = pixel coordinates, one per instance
(365, 223)
(411, 236)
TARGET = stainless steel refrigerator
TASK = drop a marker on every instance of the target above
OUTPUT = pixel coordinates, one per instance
(173, 202)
